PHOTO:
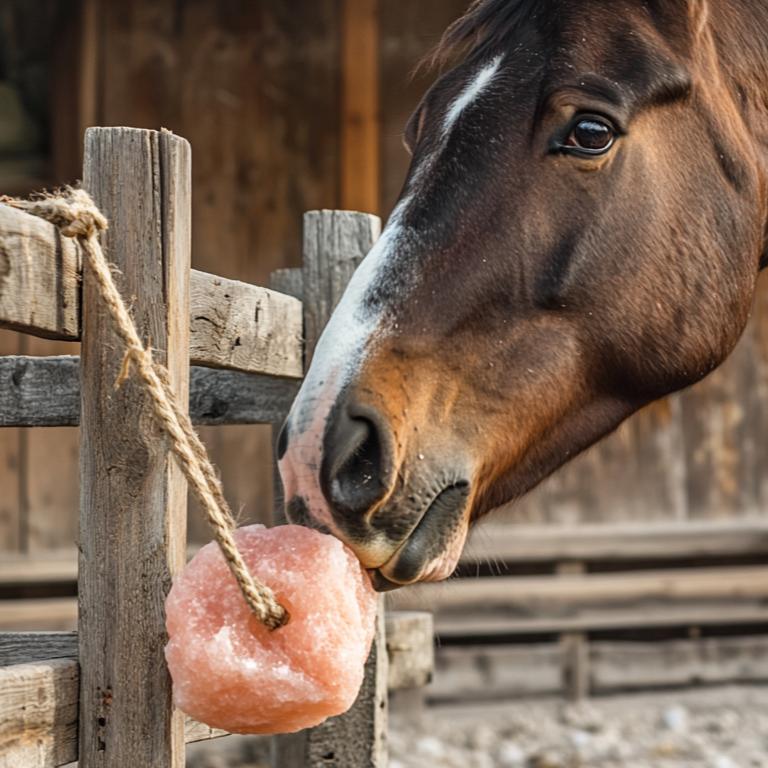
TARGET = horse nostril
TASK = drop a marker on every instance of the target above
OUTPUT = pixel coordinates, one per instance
(356, 461)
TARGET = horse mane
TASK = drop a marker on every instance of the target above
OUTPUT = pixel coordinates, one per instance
(485, 25)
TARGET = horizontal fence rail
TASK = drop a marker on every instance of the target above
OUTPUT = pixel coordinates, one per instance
(233, 325)
(45, 392)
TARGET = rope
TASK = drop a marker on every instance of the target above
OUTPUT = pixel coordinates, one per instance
(73, 211)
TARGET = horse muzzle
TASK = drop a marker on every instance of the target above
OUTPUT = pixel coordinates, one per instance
(403, 512)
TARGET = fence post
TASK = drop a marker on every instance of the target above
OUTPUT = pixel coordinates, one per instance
(335, 242)
(133, 497)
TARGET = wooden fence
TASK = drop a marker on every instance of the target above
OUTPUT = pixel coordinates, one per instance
(102, 696)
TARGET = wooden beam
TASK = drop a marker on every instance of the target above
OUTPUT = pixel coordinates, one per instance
(45, 392)
(486, 673)
(29, 647)
(676, 615)
(360, 106)
(410, 648)
(39, 277)
(334, 244)
(244, 328)
(39, 715)
(537, 595)
(48, 613)
(500, 543)
(133, 495)
(232, 325)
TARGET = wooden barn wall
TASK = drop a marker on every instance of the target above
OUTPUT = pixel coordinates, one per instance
(255, 86)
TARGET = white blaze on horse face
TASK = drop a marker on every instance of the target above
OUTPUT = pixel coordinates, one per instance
(338, 355)
(341, 350)
(471, 91)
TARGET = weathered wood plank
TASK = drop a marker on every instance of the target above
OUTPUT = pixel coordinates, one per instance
(291, 282)
(288, 281)
(45, 392)
(50, 497)
(641, 616)
(334, 244)
(495, 672)
(632, 666)
(245, 328)
(39, 277)
(28, 647)
(10, 468)
(133, 496)
(50, 613)
(410, 648)
(529, 595)
(38, 714)
(231, 397)
(499, 542)
(360, 108)
(232, 324)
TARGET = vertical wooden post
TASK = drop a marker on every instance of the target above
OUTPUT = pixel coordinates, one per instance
(360, 105)
(133, 496)
(574, 650)
(291, 282)
(335, 242)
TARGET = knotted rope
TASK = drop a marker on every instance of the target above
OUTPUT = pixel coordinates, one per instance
(76, 215)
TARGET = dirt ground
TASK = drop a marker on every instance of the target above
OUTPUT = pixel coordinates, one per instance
(705, 728)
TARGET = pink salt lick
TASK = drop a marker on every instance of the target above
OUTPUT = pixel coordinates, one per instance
(230, 672)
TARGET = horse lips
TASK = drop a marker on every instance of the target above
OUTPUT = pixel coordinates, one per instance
(230, 672)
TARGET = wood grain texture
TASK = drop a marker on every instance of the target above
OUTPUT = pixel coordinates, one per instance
(233, 325)
(536, 595)
(245, 328)
(495, 673)
(28, 647)
(50, 567)
(360, 105)
(266, 77)
(38, 714)
(133, 496)
(45, 392)
(410, 649)
(748, 616)
(495, 542)
(39, 277)
(39, 614)
(50, 477)
(289, 281)
(334, 244)
(10, 457)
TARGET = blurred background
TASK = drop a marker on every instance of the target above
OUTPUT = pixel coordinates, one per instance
(636, 569)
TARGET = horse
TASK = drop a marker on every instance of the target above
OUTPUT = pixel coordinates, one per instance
(579, 233)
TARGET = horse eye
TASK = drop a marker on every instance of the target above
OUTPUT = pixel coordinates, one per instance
(591, 135)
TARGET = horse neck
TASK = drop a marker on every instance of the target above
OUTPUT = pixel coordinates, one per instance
(739, 31)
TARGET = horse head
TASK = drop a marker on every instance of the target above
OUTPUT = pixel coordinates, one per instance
(579, 233)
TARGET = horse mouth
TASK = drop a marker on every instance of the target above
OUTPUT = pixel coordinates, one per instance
(432, 550)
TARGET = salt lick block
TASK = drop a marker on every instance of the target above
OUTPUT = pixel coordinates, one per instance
(230, 672)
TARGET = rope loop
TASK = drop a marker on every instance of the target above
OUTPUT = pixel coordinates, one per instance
(75, 214)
